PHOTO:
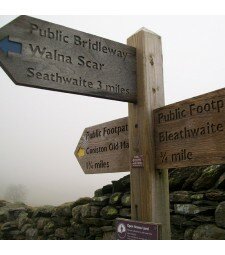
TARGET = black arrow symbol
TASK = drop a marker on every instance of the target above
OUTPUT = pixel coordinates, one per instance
(6, 45)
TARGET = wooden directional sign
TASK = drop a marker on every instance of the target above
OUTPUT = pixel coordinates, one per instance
(39, 54)
(191, 132)
(104, 148)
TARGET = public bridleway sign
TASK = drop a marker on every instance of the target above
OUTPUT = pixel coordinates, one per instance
(40, 54)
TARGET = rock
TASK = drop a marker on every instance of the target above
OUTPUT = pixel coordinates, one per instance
(190, 209)
(98, 238)
(70, 231)
(126, 200)
(208, 177)
(82, 201)
(178, 176)
(109, 236)
(209, 232)
(181, 221)
(107, 189)
(101, 201)
(206, 202)
(194, 175)
(203, 219)
(95, 211)
(98, 193)
(3, 203)
(80, 230)
(31, 234)
(122, 184)
(215, 195)
(61, 221)
(76, 213)
(43, 211)
(197, 196)
(220, 184)
(108, 222)
(188, 233)
(61, 233)
(9, 226)
(42, 222)
(109, 212)
(49, 228)
(94, 231)
(15, 212)
(64, 210)
(86, 211)
(25, 228)
(3, 216)
(180, 197)
(220, 215)
(92, 221)
(52, 237)
(125, 213)
(23, 219)
(115, 198)
(108, 228)
(177, 233)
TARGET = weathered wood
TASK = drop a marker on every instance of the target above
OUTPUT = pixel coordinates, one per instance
(149, 187)
(104, 148)
(58, 58)
(191, 132)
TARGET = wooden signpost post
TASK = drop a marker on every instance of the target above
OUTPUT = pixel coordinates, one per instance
(149, 186)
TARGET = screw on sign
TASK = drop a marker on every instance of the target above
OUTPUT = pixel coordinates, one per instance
(137, 230)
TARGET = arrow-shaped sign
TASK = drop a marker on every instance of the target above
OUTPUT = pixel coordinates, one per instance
(6, 45)
(63, 59)
(104, 148)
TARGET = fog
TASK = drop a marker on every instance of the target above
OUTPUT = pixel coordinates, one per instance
(39, 129)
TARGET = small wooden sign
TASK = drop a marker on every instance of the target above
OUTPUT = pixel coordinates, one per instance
(191, 132)
(137, 230)
(104, 148)
(40, 54)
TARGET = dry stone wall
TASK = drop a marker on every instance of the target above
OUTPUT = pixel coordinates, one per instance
(197, 206)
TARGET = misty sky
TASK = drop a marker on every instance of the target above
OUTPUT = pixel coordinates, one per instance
(39, 129)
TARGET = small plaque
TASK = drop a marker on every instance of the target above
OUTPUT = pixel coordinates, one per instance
(137, 161)
(137, 230)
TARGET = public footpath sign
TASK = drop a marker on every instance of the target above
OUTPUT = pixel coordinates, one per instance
(191, 132)
(137, 230)
(40, 54)
(104, 148)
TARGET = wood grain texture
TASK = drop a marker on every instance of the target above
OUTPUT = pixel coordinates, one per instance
(62, 59)
(149, 187)
(191, 132)
(104, 148)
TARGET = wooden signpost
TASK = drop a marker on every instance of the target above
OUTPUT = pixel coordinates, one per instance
(40, 54)
(104, 148)
(191, 132)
